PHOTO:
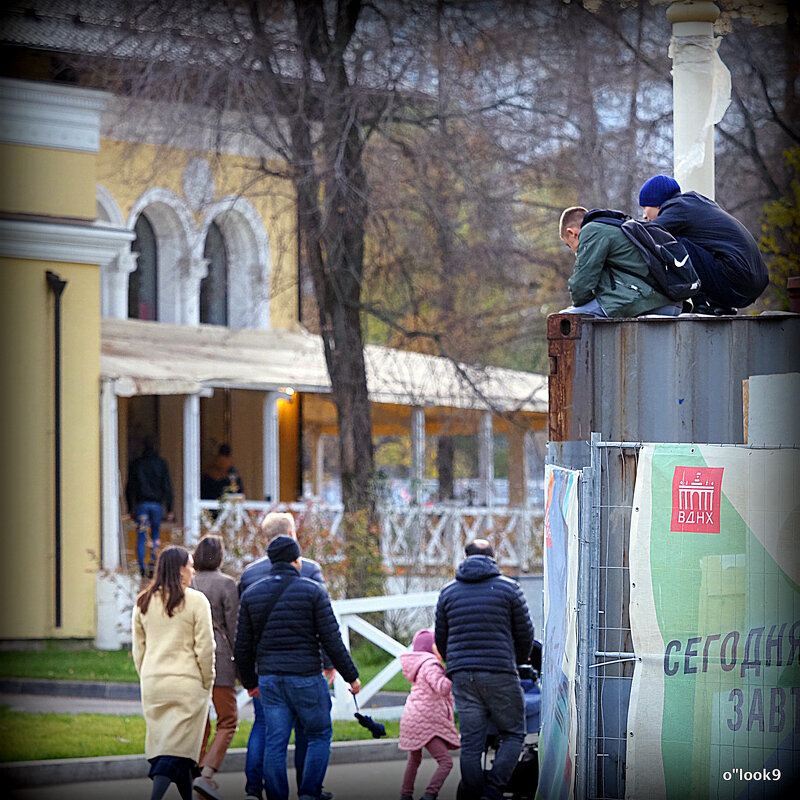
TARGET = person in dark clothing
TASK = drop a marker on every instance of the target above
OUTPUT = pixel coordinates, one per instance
(276, 524)
(221, 476)
(724, 253)
(147, 492)
(483, 631)
(283, 621)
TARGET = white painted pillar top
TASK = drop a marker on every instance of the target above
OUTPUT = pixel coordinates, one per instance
(701, 91)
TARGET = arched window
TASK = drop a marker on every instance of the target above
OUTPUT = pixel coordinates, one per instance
(214, 287)
(143, 281)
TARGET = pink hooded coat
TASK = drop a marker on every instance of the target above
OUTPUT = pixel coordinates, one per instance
(429, 708)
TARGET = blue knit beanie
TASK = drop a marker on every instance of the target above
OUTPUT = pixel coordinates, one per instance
(657, 190)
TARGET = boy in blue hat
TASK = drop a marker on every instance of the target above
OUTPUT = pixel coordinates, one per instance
(727, 259)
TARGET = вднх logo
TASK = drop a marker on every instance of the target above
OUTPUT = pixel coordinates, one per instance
(696, 496)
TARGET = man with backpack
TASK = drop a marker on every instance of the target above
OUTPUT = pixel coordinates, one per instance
(723, 252)
(611, 276)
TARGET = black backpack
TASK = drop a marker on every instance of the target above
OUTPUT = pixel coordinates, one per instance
(671, 270)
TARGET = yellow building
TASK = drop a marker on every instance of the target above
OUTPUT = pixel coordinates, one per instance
(170, 312)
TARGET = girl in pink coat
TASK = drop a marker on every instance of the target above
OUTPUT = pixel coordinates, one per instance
(427, 719)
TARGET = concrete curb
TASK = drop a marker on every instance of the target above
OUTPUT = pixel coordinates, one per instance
(29, 774)
(91, 689)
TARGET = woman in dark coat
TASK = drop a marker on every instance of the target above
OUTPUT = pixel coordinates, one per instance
(221, 592)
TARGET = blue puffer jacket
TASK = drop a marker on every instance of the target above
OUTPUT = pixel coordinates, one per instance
(262, 567)
(288, 642)
(482, 620)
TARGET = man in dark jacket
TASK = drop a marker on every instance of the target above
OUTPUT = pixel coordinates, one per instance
(610, 278)
(276, 524)
(283, 621)
(147, 491)
(727, 259)
(483, 631)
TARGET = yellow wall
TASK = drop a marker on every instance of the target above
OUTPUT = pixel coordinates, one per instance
(52, 182)
(128, 169)
(26, 307)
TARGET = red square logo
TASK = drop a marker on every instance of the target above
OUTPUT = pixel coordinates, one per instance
(696, 499)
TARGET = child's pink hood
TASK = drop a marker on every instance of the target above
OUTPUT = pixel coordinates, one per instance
(413, 661)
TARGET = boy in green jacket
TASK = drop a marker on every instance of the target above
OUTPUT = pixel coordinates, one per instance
(610, 276)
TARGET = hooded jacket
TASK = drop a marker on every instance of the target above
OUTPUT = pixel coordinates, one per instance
(482, 620)
(610, 269)
(287, 640)
(428, 711)
(737, 260)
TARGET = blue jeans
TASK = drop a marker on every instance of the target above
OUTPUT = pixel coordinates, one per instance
(254, 760)
(481, 697)
(147, 515)
(592, 307)
(290, 701)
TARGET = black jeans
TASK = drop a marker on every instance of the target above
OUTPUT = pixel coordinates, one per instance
(480, 697)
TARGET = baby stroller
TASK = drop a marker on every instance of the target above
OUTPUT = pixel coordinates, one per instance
(525, 778)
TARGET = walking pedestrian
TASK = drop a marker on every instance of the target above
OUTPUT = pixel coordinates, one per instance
(173, 651)
(275, 524)
(283, 621)
(483, 631)
(220, 589)
(147, 492)
(428, 718)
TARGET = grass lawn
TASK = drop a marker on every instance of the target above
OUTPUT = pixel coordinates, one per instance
(117, 666)
(30, 737)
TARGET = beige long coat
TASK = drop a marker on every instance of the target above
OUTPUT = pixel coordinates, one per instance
(174, 657)
(220, 589)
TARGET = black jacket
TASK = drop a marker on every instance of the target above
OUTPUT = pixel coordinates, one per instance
(262, 568)
(289, 641)
(148, 481)
(482, 620)
(737, 258)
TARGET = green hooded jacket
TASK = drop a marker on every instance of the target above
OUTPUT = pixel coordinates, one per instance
(609, 269)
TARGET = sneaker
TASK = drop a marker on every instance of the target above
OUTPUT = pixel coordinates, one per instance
(207, 788)
(323, 795)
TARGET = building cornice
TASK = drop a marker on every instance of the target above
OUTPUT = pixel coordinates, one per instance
(70, 244)
(50, 115)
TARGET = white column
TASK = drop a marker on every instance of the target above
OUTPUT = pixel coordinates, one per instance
(193, 271)
(700, 93)
(191, 468)
(109, 471)
(114, 284)
(271, 448)
(486, 460)
(417, 453)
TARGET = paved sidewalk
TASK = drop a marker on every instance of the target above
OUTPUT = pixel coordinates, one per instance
(375, 780)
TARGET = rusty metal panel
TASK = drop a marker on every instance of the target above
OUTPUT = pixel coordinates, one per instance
(661, 379)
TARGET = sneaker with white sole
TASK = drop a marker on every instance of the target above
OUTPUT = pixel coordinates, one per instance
(207, 788)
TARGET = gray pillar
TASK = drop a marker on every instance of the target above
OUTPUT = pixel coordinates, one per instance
(109, 471)
(271, 444)
(417, 453)
(486, 460)
(191, 468)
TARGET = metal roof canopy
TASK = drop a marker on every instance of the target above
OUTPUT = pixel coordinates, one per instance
(146, 358)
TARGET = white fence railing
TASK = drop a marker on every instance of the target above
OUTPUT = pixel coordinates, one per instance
(429, 536)
(349, 612)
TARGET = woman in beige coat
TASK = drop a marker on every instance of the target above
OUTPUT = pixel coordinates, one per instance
(173, 650)
(221, 592)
